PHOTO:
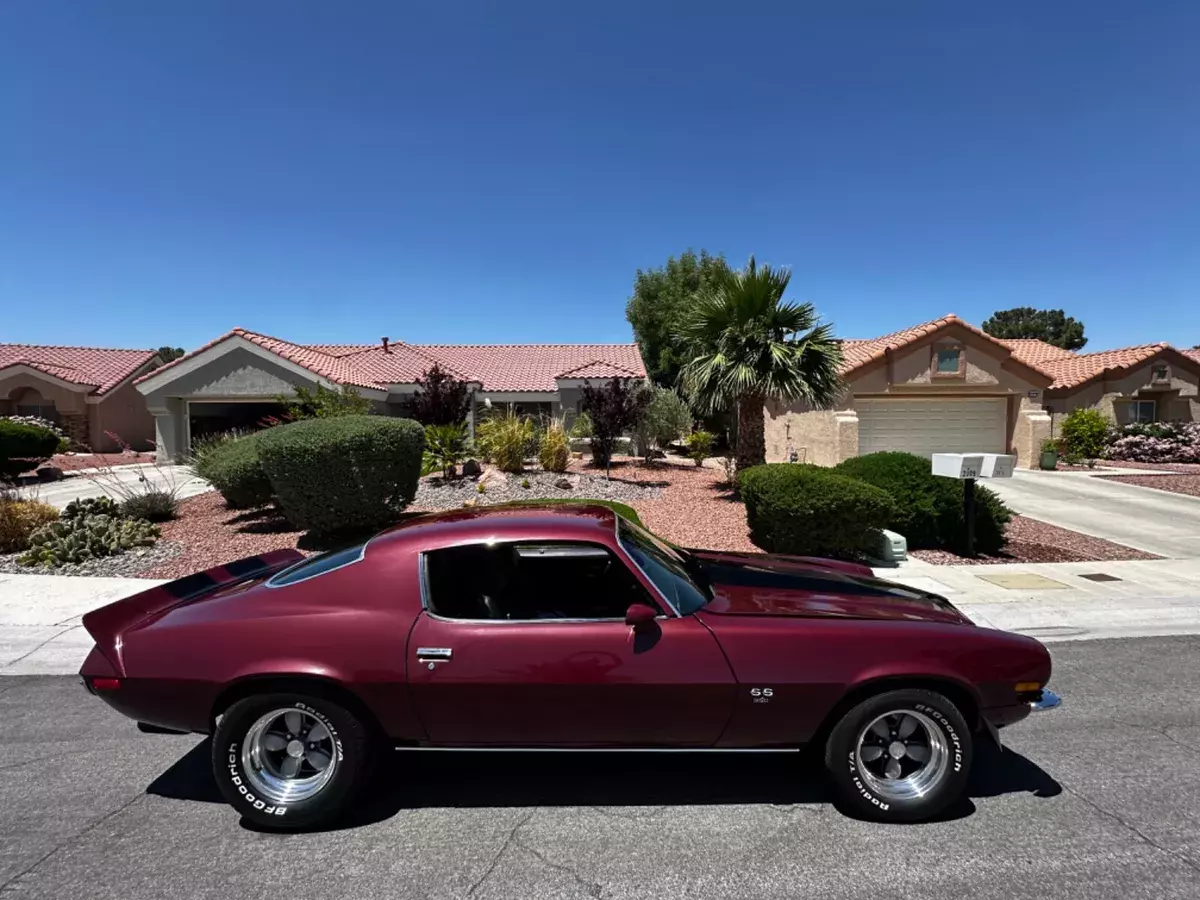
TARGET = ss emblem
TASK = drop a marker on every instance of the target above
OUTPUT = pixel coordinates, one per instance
(762, 695)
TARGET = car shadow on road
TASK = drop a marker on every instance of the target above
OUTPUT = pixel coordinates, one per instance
(415, 780)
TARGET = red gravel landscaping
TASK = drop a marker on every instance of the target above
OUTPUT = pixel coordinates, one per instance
(694, 508)
(1031, 541)
(1180, 468)
(70, 462)
(1176, 484)
(212, 534)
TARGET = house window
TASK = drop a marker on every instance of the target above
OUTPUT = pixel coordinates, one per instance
(948, 362)
(1160, 373)
(1131, 411)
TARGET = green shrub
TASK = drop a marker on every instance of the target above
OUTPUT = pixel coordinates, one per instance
(24, 447)
(666, 419)
(151, 505)
(504, 440)
(807, 510)
(1084, 434)
(324, 403)
(700, 444)
(92, 506)
(86, 537)
(445, 447)
(205, 446)
(554, 452)
(348, 473)
(581, 427)
(929, 508)
(21, 518)
(235, 469)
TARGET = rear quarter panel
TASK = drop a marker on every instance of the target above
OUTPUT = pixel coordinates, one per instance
(348, 626)
(810, 664)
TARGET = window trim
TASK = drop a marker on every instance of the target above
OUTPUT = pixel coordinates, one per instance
(961, 349)
(423, 576)
(270, 582)
(633, 562)
(1136, 419)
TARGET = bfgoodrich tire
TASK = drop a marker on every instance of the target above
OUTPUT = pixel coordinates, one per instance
(901, 756)
(289, 760)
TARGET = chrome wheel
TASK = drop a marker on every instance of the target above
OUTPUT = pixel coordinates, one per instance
(288, 755)
(902, 755)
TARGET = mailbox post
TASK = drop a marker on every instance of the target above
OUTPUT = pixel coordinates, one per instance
(968, 467)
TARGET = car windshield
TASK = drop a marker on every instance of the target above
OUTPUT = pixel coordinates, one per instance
(664, 565)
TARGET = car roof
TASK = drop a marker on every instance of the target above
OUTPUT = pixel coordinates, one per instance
(568, 521)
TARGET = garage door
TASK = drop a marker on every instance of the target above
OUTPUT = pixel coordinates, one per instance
(927, 425)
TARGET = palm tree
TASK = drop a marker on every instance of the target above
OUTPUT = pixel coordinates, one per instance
(749, 346)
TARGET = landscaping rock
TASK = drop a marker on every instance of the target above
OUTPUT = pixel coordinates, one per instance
(49, 473)
(433, 493)
(472, 469)
(129, 564)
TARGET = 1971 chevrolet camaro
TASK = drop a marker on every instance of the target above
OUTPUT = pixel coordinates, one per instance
(562, 627)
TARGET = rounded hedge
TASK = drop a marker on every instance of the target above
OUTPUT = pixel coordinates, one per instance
(929, 508)
(235, 470)
(24, 447)
(348, 473)
(808, 510)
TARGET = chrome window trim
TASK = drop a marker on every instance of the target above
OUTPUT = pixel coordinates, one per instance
(362, 552)
(617, 534)
(423, 578)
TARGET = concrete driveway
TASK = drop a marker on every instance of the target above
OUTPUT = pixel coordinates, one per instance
(1155, 521)
(60, 493)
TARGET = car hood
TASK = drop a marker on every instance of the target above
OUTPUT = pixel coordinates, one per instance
(750, 584)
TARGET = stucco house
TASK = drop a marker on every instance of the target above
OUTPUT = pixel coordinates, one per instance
(946, 386)
(236, 380)
(87, 391)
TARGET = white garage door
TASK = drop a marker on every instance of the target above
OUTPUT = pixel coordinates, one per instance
(928, 425)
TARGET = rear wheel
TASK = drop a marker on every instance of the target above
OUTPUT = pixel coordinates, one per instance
(289, 760)
(901, 756)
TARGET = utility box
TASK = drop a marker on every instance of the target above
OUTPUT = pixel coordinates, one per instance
(974, 465)
(888, 546)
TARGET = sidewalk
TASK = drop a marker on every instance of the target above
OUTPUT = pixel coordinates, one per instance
(1053, 602)
(167, 477)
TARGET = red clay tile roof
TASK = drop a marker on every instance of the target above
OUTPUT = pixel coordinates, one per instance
(1080, 368)
(857, 353)
(1034, 352)
(598, 368)
(1192, 354)
(511, 367)
(96, 367)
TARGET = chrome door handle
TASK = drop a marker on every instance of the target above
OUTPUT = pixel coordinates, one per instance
(434, 653)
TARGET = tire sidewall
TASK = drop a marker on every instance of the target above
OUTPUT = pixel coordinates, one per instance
(230, 736)
(842, 757)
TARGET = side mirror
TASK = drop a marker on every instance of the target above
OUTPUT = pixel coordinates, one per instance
(639, 615)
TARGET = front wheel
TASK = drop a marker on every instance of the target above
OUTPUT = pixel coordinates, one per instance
(901, 756)
(289, 760)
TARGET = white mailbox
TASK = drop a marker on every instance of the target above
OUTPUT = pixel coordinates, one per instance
(973, 465)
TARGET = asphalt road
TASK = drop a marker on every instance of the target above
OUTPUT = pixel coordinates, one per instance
(1099, 798)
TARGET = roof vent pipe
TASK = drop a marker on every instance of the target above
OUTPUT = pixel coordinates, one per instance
(385, 345)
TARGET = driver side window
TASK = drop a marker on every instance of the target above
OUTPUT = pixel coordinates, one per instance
(529, 581)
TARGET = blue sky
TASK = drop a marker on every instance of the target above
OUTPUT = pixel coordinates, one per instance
(498, 171)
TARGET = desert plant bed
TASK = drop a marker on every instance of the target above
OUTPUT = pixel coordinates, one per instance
(1031, 541)
(133, 563)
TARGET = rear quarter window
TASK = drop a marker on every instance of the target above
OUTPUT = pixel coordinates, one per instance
(317, 565)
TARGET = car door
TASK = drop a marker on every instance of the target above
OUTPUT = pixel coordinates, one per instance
(513, 669)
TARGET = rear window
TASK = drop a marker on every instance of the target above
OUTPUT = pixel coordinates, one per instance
(318, 565)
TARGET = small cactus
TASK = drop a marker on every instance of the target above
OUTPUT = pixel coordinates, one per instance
(525, 483)
(481, 488)
(84, 537)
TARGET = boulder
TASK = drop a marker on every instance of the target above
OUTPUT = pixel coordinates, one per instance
(472, 469)
(49, 473)
(564, 484)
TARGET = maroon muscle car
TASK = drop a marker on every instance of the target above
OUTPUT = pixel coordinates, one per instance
(563, 627)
